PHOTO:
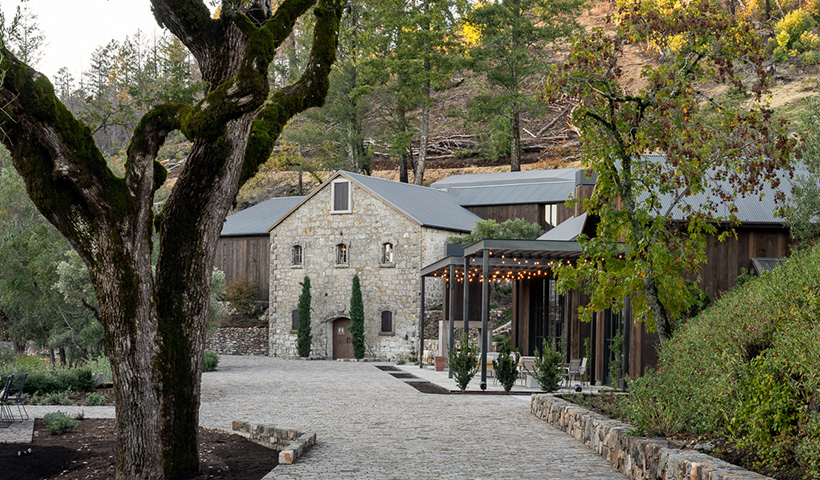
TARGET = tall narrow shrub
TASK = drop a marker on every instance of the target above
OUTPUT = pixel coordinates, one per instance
(506, 367)
(303, 335)
(357, 319)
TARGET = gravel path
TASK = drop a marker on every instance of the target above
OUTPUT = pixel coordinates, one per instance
(372, 426)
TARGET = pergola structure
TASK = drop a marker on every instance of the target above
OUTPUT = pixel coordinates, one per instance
(487, 260)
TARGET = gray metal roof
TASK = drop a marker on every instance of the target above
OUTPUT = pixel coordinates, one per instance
(566, 231)
(510, 188)
(256, 220)
(426, 206)
(752, 209)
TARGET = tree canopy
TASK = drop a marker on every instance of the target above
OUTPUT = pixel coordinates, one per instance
(656, 211)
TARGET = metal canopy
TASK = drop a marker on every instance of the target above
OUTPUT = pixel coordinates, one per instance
(507, 258)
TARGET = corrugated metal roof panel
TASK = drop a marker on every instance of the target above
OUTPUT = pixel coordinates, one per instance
(427, 206)
(511, 188)
(257, 219)
(552, 192)
(566, 231)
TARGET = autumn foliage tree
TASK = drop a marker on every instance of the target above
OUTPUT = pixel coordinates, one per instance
(155, 324)
(656, 211)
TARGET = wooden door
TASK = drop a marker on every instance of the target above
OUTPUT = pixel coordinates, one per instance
(342, 345)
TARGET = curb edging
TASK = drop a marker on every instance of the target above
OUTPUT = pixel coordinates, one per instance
(636, 457)
(291, 444)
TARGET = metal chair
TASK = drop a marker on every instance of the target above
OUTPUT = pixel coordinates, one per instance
(6, 417)
(21, 408)
(574, 370)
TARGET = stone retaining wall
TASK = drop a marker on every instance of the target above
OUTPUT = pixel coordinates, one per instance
(239, 341)
(638, 458)
(290, 443)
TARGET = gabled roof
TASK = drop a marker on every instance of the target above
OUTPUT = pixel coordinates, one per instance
(426, 206)
(510, 188)
(256, 220)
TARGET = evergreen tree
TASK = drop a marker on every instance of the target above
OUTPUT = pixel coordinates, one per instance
(303, 335)
(511, 50)
(357, 319)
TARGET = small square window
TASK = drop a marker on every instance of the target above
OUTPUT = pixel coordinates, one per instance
(387, 253)
(387, 321)
(341, 197)
(294, 320)
(296, 255)
(341, 254)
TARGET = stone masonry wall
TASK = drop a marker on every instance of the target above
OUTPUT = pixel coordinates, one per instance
(239, 341)
(638, 458)
(393, 287)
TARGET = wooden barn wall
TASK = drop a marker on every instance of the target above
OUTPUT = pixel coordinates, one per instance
(726, 259)
(475, 303)
(246, 257)
(531, 212)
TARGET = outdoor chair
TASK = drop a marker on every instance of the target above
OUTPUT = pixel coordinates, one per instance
(573, 371)
(18, 401)
(525, 364)
(6, 417)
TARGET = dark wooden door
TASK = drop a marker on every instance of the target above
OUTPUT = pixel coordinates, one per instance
(342, 346)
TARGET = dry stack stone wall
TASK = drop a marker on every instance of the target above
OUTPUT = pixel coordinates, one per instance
(239, 341)
(638, 458)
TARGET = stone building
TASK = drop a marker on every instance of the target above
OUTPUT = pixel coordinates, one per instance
(384, 231)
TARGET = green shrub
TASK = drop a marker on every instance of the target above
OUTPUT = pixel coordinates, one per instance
(95, 398)
(790, 29)
(56, 398)
(59, 423)
(545, 366)
(357, 319)
(810, 41)
(771, 45)
(463, 361)
(304, 338)
(242, 294)
(746, 372)
(810, 58)
(780, 55)
(616, 364)
(209, 361)
(506, 366)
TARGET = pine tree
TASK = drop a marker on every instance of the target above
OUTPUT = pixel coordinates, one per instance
(303, 335)
(357, 319)
(513, 36)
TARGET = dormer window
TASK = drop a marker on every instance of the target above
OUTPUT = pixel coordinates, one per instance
(296, 256)
(341, 254)
(340, 190)
(387, 253)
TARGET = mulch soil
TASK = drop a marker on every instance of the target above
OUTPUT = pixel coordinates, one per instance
(88, 453)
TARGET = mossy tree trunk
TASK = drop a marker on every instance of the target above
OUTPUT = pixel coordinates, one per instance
(155, 326)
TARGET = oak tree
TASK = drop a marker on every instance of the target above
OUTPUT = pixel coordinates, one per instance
(656, 211)
(155, 324)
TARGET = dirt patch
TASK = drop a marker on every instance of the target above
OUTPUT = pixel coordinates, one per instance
(388, 368)
(402, 375)
(428, 387)
(89, 453)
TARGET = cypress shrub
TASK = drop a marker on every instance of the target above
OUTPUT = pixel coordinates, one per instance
(303, 335)
(357, 319)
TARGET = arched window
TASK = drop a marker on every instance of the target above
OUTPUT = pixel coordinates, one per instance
(387, 253)
(341, 254)
(387, 321)
(296, 256)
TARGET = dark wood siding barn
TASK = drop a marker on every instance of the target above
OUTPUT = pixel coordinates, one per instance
(246, 257)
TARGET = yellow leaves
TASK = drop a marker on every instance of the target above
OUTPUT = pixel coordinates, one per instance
(470, 34)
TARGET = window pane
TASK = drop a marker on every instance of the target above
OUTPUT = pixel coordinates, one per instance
(387, 321)
(387, 253)
(340, 196)
(294, 320)
(297, 255)
(341, 254)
